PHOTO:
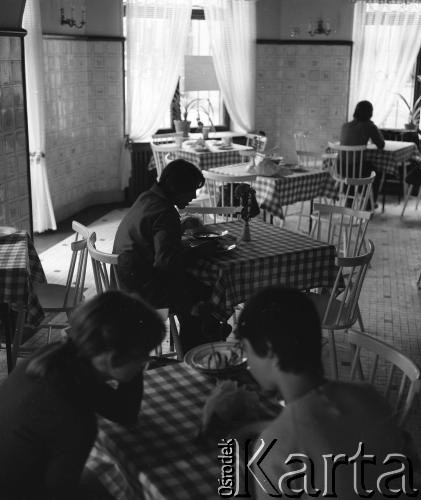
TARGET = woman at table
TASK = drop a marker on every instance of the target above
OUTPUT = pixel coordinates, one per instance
(358, 132)
(49, 402)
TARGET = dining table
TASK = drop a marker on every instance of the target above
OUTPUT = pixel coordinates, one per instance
(20, 269)
(214, 154)
(393, 158)
(274, 256)
(165, 455)
(275, 192)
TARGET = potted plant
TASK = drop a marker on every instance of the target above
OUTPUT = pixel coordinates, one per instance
(414, 113)
(201, 105)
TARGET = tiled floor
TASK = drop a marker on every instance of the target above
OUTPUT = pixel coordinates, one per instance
(390, 301)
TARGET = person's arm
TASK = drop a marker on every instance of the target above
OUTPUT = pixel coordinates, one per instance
(167, 242)
(121, 405)
(69, 451)
(376, 136)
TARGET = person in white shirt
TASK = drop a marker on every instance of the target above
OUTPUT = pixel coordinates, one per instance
(322, 420)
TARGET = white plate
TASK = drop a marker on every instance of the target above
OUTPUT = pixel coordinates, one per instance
(210, 235)
(6, 230)
(216, 357)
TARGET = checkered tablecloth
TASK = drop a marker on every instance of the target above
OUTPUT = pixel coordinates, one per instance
(275, 256)
(212, 158)
(162, 456)
(20, 267)
(273, 193)
(392, 157)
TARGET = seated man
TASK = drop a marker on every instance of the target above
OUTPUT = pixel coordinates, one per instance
(152, 257)
(282, 336)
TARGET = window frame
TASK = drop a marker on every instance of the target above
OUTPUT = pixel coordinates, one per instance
(196, 14)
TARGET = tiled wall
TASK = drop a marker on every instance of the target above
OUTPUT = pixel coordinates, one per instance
(84, 122)
(301, 88)
(14, 197)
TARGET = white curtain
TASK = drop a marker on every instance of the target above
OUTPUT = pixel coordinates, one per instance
(42, 207)
(156, 37)
(387, 38)
(232, 29)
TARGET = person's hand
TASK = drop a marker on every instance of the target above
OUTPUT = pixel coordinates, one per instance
(228, 405)
(191, 224)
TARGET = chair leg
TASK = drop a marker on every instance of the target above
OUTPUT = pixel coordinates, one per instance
(176, 338)
(408, 194)
(360, 319)
(418, 198)
(20, 323)
(334, 359)
(50, 331)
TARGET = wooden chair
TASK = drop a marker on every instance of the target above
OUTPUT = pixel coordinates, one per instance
(389, 370)
(55, 298)
(256, 141)
(220, 187)
(160, 153)
(306, 157)
(339, 310)
(104, 266)
(349, 160)
(106, 278)
(161, 139)
(356, 193)
(340, 226)
(413, 190)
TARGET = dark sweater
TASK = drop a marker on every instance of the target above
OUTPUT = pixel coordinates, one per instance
(151, 254)
(357, 133)
(48, 427)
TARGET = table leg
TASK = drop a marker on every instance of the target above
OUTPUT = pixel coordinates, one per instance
(6, 319)
(17, 338)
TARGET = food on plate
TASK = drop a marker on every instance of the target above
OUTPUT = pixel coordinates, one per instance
(221, 360)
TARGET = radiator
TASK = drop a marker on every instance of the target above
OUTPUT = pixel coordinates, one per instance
(141, 177)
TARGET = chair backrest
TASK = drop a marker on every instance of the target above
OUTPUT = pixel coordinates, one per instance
(256, 141)
(160, 153)
(220, 187)
(75, 282)
(340, 226)
(388, 369)
(80, 230)
(164, 138)
(105, 267)
(342, 308)
(355, 192)
(349, 161)
(306, 156)
(212, 215)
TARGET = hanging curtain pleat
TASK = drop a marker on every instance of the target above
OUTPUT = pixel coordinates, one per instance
(232, 30)
(42, 207)
(156, 38)
(387, 39)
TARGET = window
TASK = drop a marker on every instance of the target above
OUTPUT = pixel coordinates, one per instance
(197, 78)
(197, 75)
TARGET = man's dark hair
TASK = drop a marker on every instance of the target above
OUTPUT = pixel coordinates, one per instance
(286, 320)
(180, 176)
(363, 111)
